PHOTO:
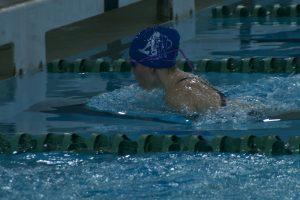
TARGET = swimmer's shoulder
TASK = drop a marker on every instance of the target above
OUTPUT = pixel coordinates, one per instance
(192, 85)
(199, 93)
(183, 97)
(200, 85)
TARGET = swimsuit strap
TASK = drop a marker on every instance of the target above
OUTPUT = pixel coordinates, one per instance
(180, 80)
(222, 96)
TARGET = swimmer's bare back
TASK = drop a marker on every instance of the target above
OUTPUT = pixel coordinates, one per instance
(193, 94)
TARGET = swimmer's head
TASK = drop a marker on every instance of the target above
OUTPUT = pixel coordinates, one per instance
(147, 77)
(153, 49)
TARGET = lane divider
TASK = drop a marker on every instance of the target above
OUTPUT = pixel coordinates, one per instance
(88, 65)
(246, 65)
(122, 145)
(276, 10)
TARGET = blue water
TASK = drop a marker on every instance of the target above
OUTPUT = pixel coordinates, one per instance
(117, 104)
(112, 103)
(153, 176)
(267, 94)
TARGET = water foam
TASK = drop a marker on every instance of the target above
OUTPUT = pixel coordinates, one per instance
(248, 102)
(252, 102)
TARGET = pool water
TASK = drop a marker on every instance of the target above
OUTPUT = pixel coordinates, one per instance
(151, 176)
(111, 103)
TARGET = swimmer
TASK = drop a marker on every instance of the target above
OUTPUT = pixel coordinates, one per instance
(153, 54)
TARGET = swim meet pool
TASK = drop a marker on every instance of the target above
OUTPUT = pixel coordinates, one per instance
(134, 112)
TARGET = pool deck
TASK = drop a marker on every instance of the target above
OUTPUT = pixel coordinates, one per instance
(108, 33)
(100, 32)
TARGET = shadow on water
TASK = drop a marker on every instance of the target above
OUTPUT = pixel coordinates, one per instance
(63, 113)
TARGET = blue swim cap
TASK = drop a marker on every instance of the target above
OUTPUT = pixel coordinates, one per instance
(155, 47)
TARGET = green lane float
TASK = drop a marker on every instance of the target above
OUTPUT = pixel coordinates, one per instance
(244, 64)
(279, 11)
(185, 65)
(248, 144)
(78, 66)
(294, 10)
(121, 144)
(229, 65)
(221, 11)
(224, 65)
(211, 66)
(274, 65)
(102, 65)
(259, 11)
(202, 64)
(294, 144)
(195, 143)
(293, 65)
(121, 65)
(242, 11)
(100, 143)
(271, 145)
(53, 142)
(226, 144)
(57, 66)
(87, 65)
(251, 65)
(154, 143)
(276, 10)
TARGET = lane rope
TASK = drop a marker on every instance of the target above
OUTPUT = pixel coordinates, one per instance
(240, 65)
(121, 144)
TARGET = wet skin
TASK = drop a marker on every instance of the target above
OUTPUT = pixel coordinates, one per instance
(190, 95)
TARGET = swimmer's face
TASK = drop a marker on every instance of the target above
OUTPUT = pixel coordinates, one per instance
(146, 77)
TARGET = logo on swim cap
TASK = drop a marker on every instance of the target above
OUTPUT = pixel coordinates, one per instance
(157, 46)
